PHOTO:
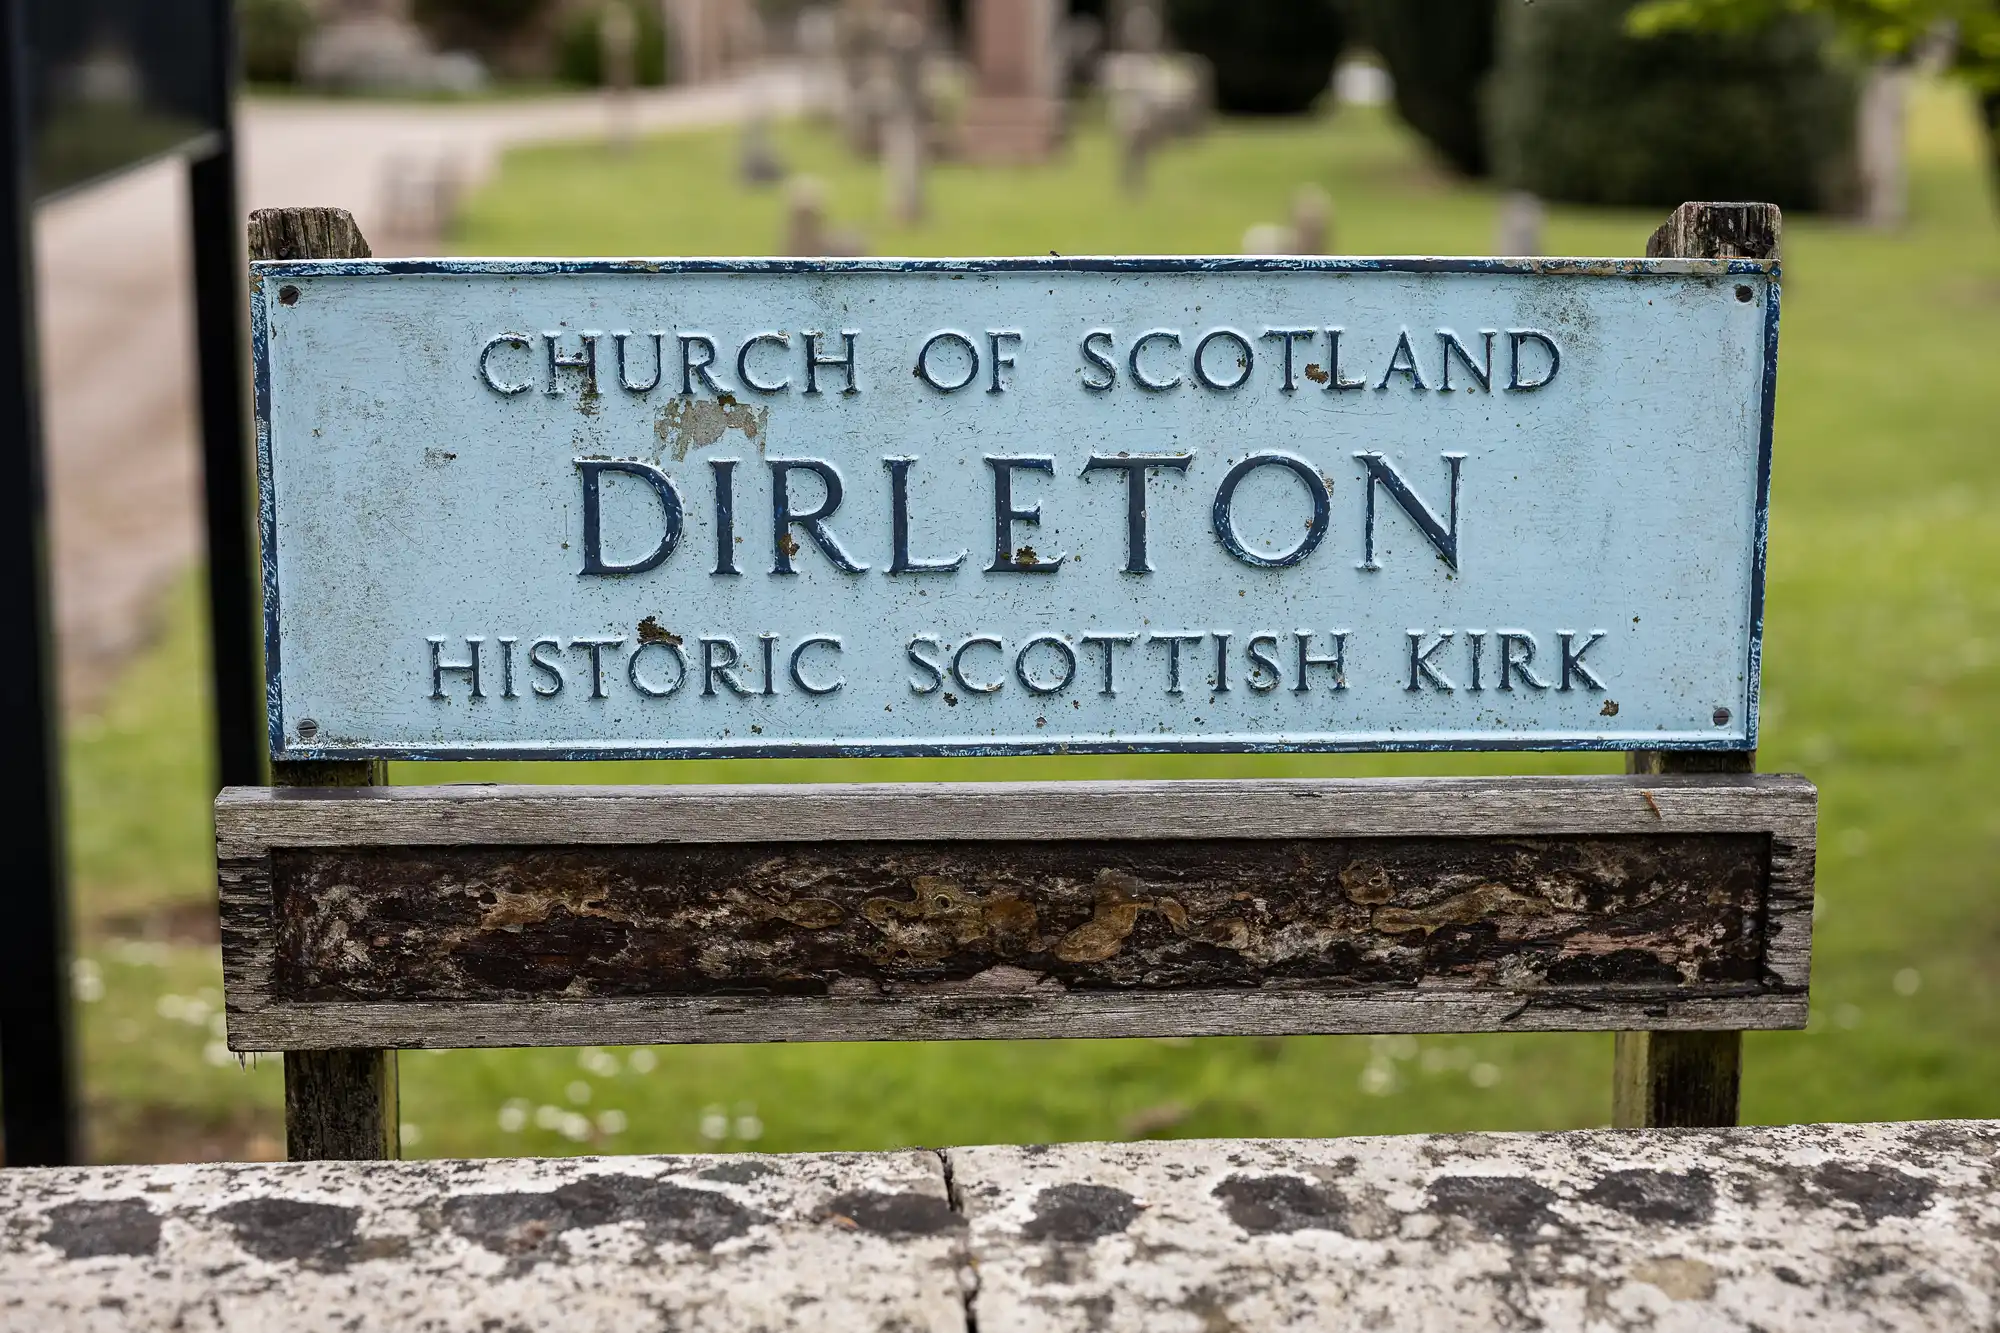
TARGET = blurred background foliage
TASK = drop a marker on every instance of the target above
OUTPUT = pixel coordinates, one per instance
(1580, 108)
(1271, 57)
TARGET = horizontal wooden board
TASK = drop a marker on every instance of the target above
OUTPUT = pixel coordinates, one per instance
(538, 916)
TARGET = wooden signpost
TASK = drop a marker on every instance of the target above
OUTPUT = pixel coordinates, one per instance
(731, 508)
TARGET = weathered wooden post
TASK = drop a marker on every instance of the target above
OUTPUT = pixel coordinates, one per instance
(1692, 1078)
(340, 1104)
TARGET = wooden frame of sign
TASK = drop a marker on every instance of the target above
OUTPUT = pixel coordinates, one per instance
(1673, 906)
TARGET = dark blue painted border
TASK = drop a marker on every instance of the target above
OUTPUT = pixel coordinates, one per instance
(264, 270)
(1566, 268)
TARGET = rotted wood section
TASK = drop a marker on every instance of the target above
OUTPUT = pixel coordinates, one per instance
(539, 916)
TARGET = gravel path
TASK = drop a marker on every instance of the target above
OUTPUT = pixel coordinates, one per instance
(117, 322)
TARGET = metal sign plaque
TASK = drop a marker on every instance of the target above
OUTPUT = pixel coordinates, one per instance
(577, 509)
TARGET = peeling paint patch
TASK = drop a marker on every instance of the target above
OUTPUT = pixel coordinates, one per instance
(687, 423)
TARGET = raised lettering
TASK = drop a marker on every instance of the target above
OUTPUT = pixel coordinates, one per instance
(798, 674)
(625, 381)
(1066, 653)
(559, 360)
(726, 668)
(1443, 536)
(1139, 345)
(468, 668)
(596, 647)
(1244, 360)
(1007, 558)
(1110, 643)
(551, 670)
(816, 363)
(1174, 642)
(1336, 661)
(935, 670)
(494, 382)
(743, 375)
(1516, 339)
(646, 687)
(784, 518)
(998, 359)
(724, 471)
(1403, 361)
(900, 560)
(1289, 337)
(592, 471)
(1335, 381)
(1224, 520)
(692, 370)
(1100, 360)
(1136, 467)
(958, 663)
(1449, 346)
(1422, 670)
(1517, 656)
(1264, 674)
(1572, 659)
(952, 338)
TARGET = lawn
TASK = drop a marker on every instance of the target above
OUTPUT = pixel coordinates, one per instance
(1882, 683)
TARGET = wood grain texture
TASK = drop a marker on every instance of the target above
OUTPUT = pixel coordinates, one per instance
(1718, 231)
(306, 233)
(527, 916)
(250, 821)
(340, 1104)
(1683, 1079)
(480, 924)
(1676, 1080)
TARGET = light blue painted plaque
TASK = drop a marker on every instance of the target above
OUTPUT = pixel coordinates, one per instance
(571, 509)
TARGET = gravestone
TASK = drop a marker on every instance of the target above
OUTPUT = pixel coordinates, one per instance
(1016, 113)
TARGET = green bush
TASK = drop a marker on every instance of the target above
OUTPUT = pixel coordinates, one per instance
(1271, 57)
(580, 49)
(1582, 111)
(269, 34)
(1438, 53)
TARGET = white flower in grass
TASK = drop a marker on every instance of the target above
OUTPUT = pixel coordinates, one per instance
(578, 1091)
(217, 1053)
(549, 1117)
(575, 1128)
(611, 1122)
(714, 1123)
(641, 1061)
(514, 1116)
(86, 980)
(1484, 1075)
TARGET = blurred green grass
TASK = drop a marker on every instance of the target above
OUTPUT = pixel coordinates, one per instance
(1882, 683)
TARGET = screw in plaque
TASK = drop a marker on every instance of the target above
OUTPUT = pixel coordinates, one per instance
(307, 728)
(1721, 716)
(289, 295)
(1743, 294)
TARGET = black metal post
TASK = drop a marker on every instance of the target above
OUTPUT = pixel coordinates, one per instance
(37, 1086)
(233, 628)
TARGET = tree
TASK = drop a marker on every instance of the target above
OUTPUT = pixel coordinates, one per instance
(1875, 29)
